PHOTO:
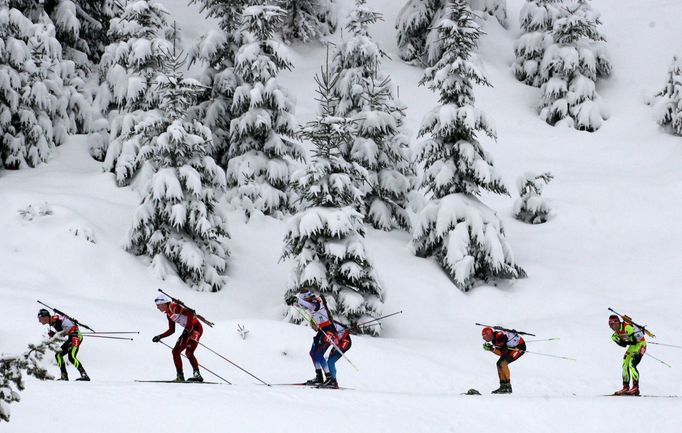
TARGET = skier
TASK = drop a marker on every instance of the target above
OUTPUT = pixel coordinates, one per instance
(69, 349)
(628, 335)
(326, 332)
(509, 346)
(341, 338)
(188, 341)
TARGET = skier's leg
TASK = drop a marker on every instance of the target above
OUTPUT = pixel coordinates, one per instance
(192, 344)
(177, 350)
(59, 356)
(627, 358)
(503, 369)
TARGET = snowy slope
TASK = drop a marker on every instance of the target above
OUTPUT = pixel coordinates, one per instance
(613, 240)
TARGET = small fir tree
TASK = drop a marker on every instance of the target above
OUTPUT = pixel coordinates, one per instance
(668, 101)
(325, 239)
(306, 20)
(537, 22)
(530, 207)
(126, 96)
(570, 69)
(414, 23)
(497, 9)
(178, 223)
(12, 368)
(262, 144)
(455, 227)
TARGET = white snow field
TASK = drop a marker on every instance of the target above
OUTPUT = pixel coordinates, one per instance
(613, 240)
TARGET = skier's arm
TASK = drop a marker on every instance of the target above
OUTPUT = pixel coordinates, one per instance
(616, 338)
(631, 340)
(170, 331)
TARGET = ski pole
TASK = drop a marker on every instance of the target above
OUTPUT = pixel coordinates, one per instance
(377, 319)
(543, 339)
(199, 316)
(544, 354)
(666, 345)
(66, 315)
(215, 374)
(111, 333)
(221, 356)
(106, 336)
(500, 328)
(661, 361)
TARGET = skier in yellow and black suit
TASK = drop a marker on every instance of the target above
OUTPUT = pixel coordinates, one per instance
(626, 334)
(70, 348)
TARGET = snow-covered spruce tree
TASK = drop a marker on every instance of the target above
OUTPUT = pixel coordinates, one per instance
(178, 223)
(530, 207)
(497, 9)
(414, 23)
(306, 20)
(33, 116)
(126, 95)
(570, 69)
(217, 50)
(537, 22)
(668, 102)
(462, 233)
(382, 149)
(356, 59)
(325, 239)
(262, 144)
(13, 366)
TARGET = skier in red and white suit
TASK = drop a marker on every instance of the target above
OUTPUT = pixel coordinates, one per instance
(509, 346)
(188, 341)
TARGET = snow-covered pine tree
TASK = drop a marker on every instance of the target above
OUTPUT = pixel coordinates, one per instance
(414, 23)
(325, 238)
(382, 149)
(570, 69)
(178, 224)
(455, 227)
(537, 21)
(33, 116)
(127, 95)
(668, 101)
(217, 50)
(356, 59)
(306, 20)
(13, 366)
(497, 9)
(530, 207)
(262, 146)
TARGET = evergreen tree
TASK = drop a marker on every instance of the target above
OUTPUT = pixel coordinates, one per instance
(530, 206)
(217, 51)
(262, 130)
(178, 223)
(307, 19)
(669, 99)
(497, 9)
(13, 366)
(325, 239)
(455, 227)
(570, 69)
(382, 149)
(33, 117)
(414, 23)
(127, 96)
(537, 22)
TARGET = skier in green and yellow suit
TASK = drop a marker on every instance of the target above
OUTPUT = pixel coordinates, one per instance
(626, 334)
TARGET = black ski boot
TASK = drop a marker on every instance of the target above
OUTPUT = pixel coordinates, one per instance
(196, 377)
(505, 388)
(64, 376)
(180, 377)
(318, 380)
(84, 377)
(330, 383)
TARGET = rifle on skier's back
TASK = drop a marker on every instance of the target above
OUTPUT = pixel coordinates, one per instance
(500, 328)
(199, 316)
(67, 316)
(629, 320)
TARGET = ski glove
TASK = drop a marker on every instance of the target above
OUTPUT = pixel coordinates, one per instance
(488, 347)
(50, 333)
(156, 338)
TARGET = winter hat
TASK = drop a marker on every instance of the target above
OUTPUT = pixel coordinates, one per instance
(162, 299)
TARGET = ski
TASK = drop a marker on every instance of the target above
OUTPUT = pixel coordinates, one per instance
(643, 395)
(174, 381)
(305, 385)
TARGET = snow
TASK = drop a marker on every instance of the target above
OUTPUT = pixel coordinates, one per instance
(613, 241)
